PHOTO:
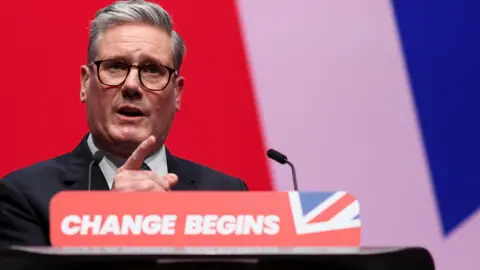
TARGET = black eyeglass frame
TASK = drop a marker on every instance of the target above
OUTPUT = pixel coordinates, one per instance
(171, 71)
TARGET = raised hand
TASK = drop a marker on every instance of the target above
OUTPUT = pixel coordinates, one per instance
(130, 177)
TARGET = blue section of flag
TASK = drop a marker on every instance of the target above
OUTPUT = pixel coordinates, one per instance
(312, 200)
(441, 44)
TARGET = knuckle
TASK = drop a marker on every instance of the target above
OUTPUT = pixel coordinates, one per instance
(122, 176)
(119, 186)
(144, 185)
(140, 185)
(151, 174)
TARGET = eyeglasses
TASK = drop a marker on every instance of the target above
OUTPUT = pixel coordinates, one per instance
(153, 76)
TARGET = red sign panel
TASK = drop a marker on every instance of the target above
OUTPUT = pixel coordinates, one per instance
(104, 218)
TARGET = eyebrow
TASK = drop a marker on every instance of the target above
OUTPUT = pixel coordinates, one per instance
(144, 59)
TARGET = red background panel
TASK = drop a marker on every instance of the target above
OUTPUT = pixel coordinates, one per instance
(45, 43)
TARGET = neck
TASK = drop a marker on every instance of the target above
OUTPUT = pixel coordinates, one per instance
(117, 152)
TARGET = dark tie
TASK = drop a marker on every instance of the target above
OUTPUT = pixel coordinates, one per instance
(145, 167)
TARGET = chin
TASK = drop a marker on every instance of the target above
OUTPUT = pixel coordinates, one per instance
(129, 134)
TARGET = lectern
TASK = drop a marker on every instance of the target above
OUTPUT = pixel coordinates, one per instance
(411, 258)
(209, 230)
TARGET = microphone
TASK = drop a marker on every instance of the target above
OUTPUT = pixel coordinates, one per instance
(97, 157)
(282, 159)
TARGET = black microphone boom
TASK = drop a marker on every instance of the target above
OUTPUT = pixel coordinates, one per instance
(97, 157)
(282, 159)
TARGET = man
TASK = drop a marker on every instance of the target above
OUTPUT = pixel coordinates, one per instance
(132, 88)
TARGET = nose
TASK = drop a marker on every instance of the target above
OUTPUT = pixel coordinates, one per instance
(132, 87)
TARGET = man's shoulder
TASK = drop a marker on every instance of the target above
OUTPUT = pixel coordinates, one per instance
(51, 168)
(209, 178)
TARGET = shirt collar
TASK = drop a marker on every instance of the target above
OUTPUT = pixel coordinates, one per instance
(156, 162)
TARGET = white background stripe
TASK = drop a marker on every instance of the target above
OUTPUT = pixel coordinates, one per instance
(334, 96)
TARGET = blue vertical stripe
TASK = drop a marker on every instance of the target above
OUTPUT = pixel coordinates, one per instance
(441, 44)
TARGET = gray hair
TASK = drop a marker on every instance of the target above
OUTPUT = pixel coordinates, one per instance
(123, 12)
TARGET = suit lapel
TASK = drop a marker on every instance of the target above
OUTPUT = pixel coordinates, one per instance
(186, 179)
(76, 174)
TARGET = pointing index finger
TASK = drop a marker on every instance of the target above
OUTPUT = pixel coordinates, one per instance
(135, 161)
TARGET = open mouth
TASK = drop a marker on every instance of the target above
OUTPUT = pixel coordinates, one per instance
(130, 112)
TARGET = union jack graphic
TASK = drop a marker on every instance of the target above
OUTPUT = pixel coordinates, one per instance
(323, 212)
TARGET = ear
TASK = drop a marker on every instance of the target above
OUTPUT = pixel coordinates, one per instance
(84, 79)
(179, 84)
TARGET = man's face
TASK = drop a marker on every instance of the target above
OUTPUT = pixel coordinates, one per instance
(151, 112)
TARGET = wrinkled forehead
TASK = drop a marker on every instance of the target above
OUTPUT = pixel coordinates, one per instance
(136, 43)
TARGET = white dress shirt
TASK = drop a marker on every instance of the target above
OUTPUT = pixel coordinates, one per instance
(109, 165)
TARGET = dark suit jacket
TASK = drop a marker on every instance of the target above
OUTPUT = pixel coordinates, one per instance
(25, 193)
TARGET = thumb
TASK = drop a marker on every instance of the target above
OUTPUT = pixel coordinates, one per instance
(172, 179)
